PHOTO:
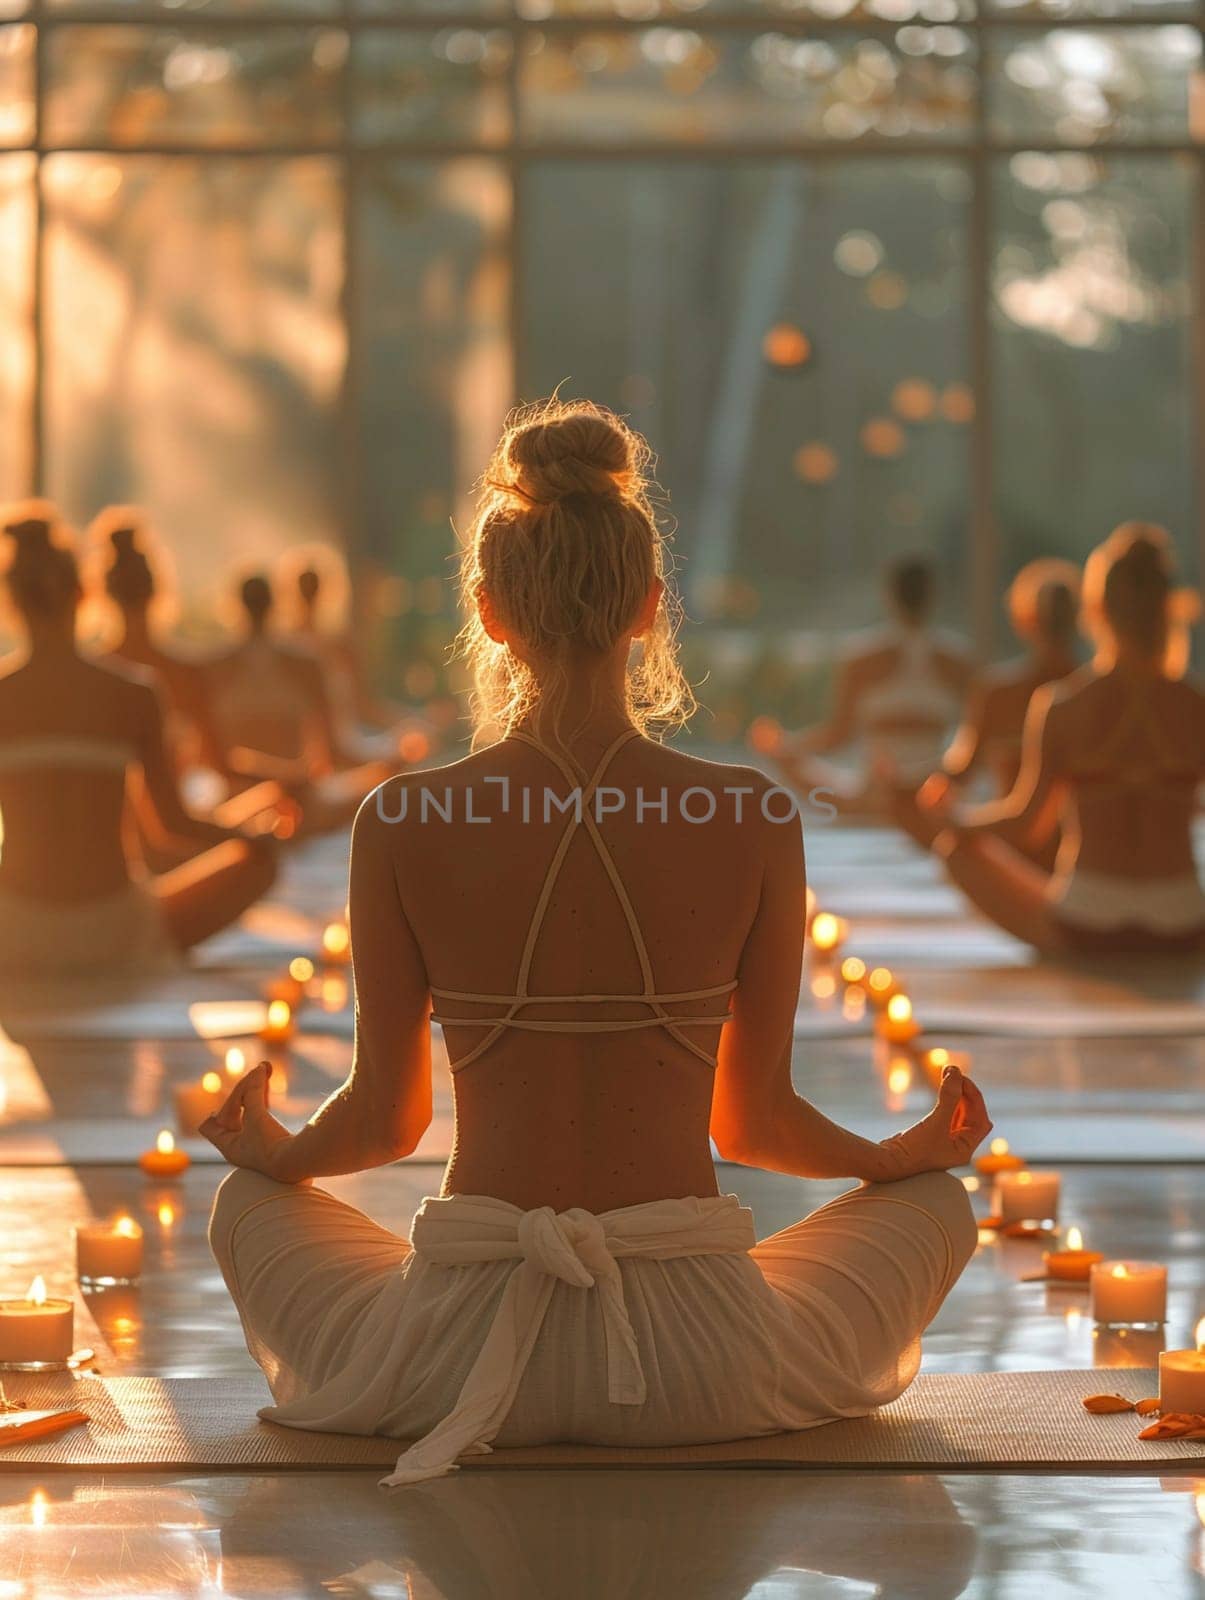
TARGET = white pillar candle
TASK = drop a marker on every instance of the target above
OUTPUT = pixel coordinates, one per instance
(36, 1331)
(108, 1252)
(1129, 1293)
(1027, 1196)
(197, 1101)
(1182, 1377)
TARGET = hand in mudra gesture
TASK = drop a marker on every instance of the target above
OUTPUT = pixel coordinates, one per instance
(244, 1130)
(948, 1136)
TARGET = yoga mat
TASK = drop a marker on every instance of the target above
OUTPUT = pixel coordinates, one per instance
(988, 1421)
(196, 1006)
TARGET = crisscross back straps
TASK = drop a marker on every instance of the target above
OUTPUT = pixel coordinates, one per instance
(582, 815)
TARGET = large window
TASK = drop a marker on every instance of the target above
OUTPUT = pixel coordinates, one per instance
(874, 275)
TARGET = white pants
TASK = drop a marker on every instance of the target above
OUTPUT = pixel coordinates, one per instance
(357, 1332)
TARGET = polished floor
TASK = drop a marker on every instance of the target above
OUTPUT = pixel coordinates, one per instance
(1116, 1114)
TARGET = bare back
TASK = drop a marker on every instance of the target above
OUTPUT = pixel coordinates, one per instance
(593, 1118)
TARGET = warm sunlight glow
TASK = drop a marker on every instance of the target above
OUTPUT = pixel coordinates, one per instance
(211, 1083)
(880, 980)
(236, 1062)
(899, 1008)
(853, 969)
(1075, 1239)
(127, 1227)
(899, 1079)
(36, 1293)
(999, 1147)
(165, 1143)
(301, 969)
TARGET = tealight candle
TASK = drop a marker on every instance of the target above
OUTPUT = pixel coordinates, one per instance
(853, 973)
(828, 935)
(1027, 1196)
(108, 1253)
(278, 1024)
(1129, 1293)
(1071, 1264)
(895, 1022)
(164, 1161)
(336, 944)
(936, 1061)
(999, 1158)
(301, 970)
(37, 1331)
(196, 1101)
(1182, 1377)
(880, 986)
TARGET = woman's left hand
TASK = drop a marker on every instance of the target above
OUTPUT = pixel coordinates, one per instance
(244, 1130)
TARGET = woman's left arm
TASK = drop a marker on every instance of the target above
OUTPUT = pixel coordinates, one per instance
(1030, 812)
(382, 1110)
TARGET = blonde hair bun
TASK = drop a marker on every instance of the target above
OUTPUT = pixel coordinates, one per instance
(580, 450)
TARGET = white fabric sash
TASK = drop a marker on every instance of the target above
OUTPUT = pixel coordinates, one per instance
(574, 1247)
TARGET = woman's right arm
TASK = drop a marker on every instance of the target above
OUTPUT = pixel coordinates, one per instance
(757, 1118)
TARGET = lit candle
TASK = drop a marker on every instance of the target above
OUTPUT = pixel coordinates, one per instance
(936, 1061)
(853, 973)
(1129, 1293)
(1027, 1196)
(880, 986)
(1071, 1264)
(999, 1158)
(301, 969)
(278, 1025)
(899, 1075)
(828, 935)
(196, 1101)
(1182, 1377)
(895, 1022)
(236, 1062)
(336, 944)
(108, 1253)
(164, 1161)
(37, 1331)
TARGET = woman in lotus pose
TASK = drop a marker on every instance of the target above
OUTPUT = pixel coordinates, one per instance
(897, 695)
(73, 733)
(1113, 754)
(614, 957)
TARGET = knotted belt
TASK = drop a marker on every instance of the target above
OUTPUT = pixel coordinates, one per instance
(574, 1247)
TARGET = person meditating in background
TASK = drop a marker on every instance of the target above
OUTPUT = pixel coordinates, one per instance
(1113, 754)
(897, 693)
(275, 716)
(616, 982)
(73, 734)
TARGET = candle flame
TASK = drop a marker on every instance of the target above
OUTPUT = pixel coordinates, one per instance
(165, 1143)
(166, 1214)
(1199, 1335)
(899, 1079)
(127, 1227)
(211, 1083)
(335, 939)
(301, 969)
(1119, 1271)
(36, 1293)
(1024, 1177)
(853, 970)
(999, 1147)
(1075, 1239)
(880, 979)
(236, 1062)
(826, 931)
(279, 1014)
(899, 1008)
(939, 1057)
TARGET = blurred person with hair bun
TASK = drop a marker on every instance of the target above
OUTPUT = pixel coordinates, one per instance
(897, 696)
(616, 977)
(275, 716)
(1115, 752)
(81, 742)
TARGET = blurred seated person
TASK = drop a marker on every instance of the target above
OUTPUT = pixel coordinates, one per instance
(134, 567)
(1113, 754)
(274, 716)
(80, 741)
(898, 694)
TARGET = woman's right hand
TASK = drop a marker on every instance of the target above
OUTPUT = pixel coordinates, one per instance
(947, 1137)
